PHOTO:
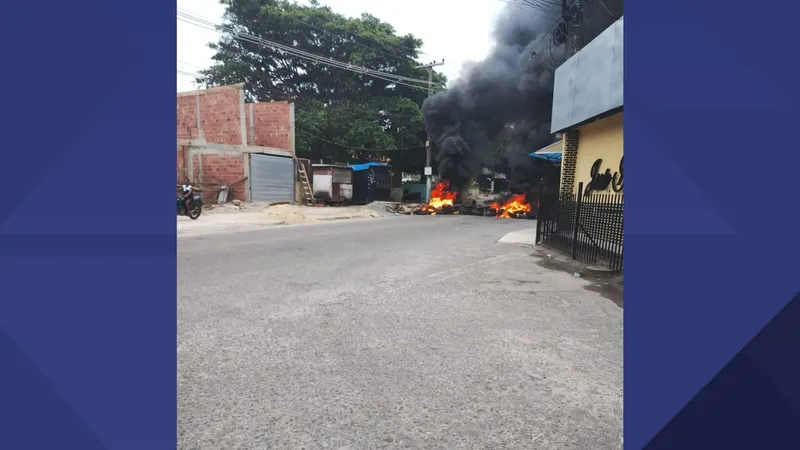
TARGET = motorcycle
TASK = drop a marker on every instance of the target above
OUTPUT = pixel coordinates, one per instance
(195, 207)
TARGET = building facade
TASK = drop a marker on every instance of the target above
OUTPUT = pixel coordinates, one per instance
(234, 149)
(588, 112)
(585, 219)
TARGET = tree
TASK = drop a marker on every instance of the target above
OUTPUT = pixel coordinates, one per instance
(340, 115)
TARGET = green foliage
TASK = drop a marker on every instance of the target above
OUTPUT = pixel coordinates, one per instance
(339, 115)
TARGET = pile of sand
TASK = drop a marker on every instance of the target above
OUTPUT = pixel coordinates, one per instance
(287, 214)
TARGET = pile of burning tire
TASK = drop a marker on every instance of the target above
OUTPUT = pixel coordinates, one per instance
(444, 202)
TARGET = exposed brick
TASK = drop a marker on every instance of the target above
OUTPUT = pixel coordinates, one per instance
(219, 117)
(220, 123)
(212, 170)
(569, 161)
(271, 125)
(187, 118)
(182, 170)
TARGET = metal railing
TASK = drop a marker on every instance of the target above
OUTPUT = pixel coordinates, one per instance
(588, 228)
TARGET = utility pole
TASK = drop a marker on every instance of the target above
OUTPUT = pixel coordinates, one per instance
(566, 18)
(573, 24)
(428, 168)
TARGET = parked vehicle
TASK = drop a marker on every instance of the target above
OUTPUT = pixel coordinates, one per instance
(195, 206)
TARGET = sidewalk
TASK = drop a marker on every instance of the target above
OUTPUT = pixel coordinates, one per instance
(607, 284)
(249, 217)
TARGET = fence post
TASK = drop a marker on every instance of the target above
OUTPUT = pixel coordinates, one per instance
(537, 239)
(577, 221)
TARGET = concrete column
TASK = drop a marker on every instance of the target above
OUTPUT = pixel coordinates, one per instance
(189, 155)
(291, 129)
(200, 135)
(292, 149)
(242, 118)
(243, 135)
(252, 125)
(247, 190)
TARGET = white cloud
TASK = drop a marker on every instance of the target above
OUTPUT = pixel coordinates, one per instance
(454, 30)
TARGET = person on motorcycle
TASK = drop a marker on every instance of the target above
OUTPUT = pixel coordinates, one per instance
(188, 191)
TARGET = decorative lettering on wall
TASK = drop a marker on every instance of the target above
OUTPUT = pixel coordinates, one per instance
(616, 181)
(601, 181)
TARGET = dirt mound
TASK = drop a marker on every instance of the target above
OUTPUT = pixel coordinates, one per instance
(287, 214)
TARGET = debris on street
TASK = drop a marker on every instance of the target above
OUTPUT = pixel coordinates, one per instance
(445, 201)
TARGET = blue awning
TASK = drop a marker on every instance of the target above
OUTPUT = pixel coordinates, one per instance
(554, 157)
(365, 166)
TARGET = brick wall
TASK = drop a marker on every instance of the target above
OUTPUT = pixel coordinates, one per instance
(569, 161)
(212, 170)
(187, 118)
(182, 174)
(220, 117)
(270, 125)
(220, 112)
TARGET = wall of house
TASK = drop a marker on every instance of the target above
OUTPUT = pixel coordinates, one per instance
(212, 115)
(590, 83)
(602, 139)
(220, 117)
(216, 131)
(187, 118)
(213, 168)
(569, 159)
(270, 125)
(182, 174)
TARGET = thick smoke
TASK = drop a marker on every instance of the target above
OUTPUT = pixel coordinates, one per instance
(509, 87)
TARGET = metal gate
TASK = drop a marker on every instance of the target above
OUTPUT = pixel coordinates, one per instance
(271, 178)
(586, 228)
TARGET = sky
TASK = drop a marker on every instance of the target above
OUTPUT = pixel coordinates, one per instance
(457, 42)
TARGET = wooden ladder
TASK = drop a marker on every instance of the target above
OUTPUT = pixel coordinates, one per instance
(308, 194)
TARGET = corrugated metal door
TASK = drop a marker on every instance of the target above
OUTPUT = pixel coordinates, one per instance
(271, 178)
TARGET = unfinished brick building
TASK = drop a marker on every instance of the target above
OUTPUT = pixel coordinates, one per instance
(226, 144)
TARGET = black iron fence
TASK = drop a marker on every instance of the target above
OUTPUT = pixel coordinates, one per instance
(588, 228)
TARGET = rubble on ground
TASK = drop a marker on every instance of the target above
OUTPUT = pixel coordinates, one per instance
(234, 206)
(289, 213)
(392, 208)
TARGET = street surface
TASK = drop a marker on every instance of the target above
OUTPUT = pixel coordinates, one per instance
(402, 332)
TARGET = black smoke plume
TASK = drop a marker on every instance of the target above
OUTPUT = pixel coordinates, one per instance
(508, 88)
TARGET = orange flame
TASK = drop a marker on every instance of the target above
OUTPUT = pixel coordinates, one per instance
(440, 197)
(516, 204)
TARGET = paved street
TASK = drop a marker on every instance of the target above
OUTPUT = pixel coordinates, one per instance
(402, 332)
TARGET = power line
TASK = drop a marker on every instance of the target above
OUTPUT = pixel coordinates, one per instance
(367, 113)
(392, 78)
(330, 33)
(607, 10)
(527, 5)
(545, 7)
(188, 74)
(410, 49)
(190, 65)
(310, 56)
(180, 72)
(208, 24)
(357, 148)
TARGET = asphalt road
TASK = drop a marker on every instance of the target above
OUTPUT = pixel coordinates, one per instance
(406, 332)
